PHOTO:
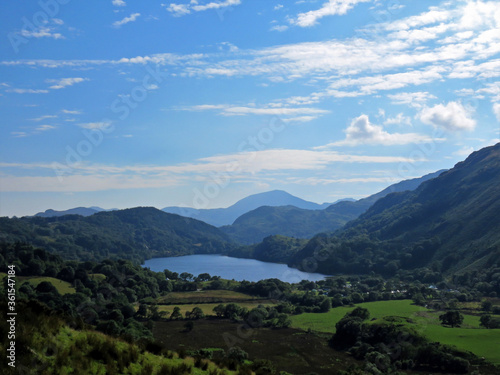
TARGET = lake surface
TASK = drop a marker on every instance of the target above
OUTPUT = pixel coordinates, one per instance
(231, 268)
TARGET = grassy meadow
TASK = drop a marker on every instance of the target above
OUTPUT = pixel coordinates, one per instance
(470, 336)
(62, 287)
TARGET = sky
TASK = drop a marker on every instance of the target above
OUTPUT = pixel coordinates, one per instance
(200, 103)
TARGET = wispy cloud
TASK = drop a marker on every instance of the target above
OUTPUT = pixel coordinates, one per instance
(42, 32)
(45, 117)
(179, 10)
(228, 110)
(330, 8)
(71, 112)
(91, 177)
(27, 91)
(413, 99)
(43, 128)
(126, 20)
(95, 125)
(118, 3)
(61, 83)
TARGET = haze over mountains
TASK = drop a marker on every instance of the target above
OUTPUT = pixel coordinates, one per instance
(252, 227)
(226, 216)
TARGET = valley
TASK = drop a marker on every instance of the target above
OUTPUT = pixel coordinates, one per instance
(408, 284)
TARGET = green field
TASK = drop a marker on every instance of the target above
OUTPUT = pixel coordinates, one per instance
(326, 322)
(470, 337)
(62, 287)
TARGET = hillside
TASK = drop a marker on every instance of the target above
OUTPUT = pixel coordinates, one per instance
(136, 234)
(449, 223)
(226, 216)
(252, 227)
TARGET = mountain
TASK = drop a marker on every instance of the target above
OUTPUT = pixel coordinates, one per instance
(83, 211)
(448, 224)
(226, 216)
(136, 233)
(252, 227)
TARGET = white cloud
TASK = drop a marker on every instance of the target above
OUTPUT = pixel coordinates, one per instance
(330, 8)
(64, 82)
(300, 119)
(413, 99)
(228, 110)
(42, 32)
(27, 91)
(496, 111)
(119, 3)
(362, 132)
(71, 112)
(279, 28)
(43, 128)
(453, 117)
(126, 20)
(399, 119)
(95, 125)
(179, 10)
(18, 135)
(41, 118)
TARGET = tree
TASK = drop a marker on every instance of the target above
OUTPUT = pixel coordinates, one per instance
(196, 313)
(487, 321)
(326, 305)
(219, 310)
(203, 277)
(237, 354)
(186, 276)
(486, 306)
(176, 314)
(451, 318)
(143, 310)
(359, 312)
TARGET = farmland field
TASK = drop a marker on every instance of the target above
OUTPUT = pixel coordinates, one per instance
(207, 308)
(470, 337)
(326, 322)
(205, 296)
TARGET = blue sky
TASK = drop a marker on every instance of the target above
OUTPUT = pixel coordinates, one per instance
(119, 103)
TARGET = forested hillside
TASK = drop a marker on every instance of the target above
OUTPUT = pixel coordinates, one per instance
(449, 223)
(135, 234)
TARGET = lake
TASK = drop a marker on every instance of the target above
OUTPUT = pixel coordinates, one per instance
(231, 268)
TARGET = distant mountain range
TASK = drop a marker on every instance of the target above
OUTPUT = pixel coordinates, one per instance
(83, 211)
(226, 216)
(449, 223)
(252, 227)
